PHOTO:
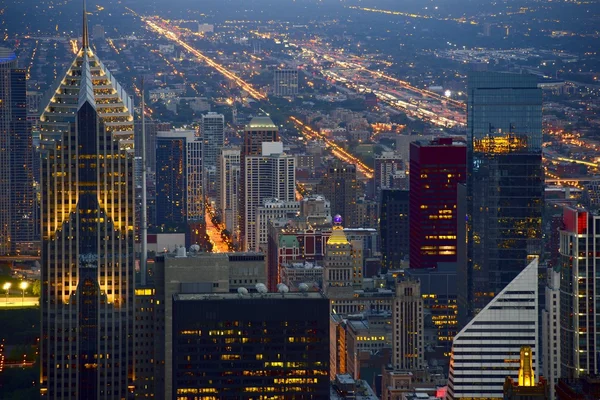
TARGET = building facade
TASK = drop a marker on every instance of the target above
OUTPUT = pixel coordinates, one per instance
(179, 197)
(394, 228)
(87, 298)
(551, 336)
(340, 186)
(408, 352)
(488, 348)
(285, 82)
(228, 187)
(269, 175)
(578, 293)
(17, 196)
(436, 168)
(247, 346)
(504, 182)
(388, 167)
(259, 130)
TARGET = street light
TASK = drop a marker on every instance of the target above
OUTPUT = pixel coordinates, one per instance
(23, 285)
(6, 287)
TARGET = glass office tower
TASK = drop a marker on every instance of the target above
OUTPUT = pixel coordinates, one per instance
(17, 195)
(504, 183)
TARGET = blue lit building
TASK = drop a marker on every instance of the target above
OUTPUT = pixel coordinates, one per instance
(17, 198)
(504, 184)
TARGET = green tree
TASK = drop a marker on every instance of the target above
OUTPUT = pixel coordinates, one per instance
(36, 289)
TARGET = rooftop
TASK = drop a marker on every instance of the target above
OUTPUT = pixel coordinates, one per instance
(261, 122)
(253, 296)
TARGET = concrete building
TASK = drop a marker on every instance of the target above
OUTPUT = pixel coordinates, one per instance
(387, 166)
(266, 176)
(181, 272)
(293, 274)
(272, 209)
(487, 349)
(579, 293)
(285, 82)
(364, 337)
(408, 350)
(343, 269)
(228, 187)
(259, 130)
(212, 132)
(551, 337)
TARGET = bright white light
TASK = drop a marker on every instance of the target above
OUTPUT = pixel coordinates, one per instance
(447, 93)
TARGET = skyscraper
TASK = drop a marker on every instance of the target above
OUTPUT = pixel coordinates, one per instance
(408, 328)
(178, 178)
(504, 183)
(436, 168)
(228, 187)
(212, 132)
(488, 348)
(259, 130)
(579, 299)
(340, 186)
(394, 227)
(267, 176)
(389, 169)
(86, 343)
(17, 197)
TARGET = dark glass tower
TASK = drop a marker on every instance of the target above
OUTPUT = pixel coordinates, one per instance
(394, 227)
(504, 181)
(87, 209)
(17, 198)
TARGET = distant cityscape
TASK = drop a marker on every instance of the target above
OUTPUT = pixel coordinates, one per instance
(299, 200)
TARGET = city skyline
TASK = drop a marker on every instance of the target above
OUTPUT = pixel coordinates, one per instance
(376, 199)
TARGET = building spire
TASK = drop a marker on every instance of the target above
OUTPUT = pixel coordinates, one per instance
(85, 36)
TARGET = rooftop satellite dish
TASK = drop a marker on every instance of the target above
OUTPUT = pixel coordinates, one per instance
(242, 291)
(282, 288)
(261, 288)
(303, 287)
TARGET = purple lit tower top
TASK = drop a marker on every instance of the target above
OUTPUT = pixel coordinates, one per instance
(337, 220)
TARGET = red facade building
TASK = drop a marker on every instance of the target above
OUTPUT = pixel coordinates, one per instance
(436, 167)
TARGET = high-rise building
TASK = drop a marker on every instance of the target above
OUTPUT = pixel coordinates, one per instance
(269, 175)
(179, 197)
(250, 346)
(394, 227)
(388, 167)
(340, 186)
(259, 130)
(408, 352)
(17, 196)
(551, 335)
(340, 267)
(285, 82)
(436, 168)
(578, 293)
(504, 182)
(152, 129)
(87, 297)
(488, 348)
(228, 187)
(269, 210)
(212, 132)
